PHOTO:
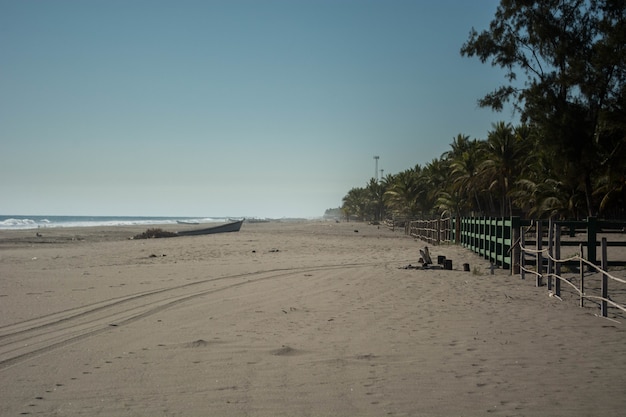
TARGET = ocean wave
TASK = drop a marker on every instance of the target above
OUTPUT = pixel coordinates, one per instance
(36, 222)
(17, 223)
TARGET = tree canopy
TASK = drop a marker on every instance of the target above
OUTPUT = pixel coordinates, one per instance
(573, 57)
(565, 66)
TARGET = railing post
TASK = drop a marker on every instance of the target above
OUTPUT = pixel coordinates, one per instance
(462, 231)
(591, 240)
(582, 276)
(539, 247)
(550, 253)
(489, 232)
(515, 251)
(522, 254)
(488, 241)
(500, 242)
(480, 243)
(557, 255)
(605, 279)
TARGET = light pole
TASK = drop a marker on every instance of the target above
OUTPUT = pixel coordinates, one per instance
(376, 171)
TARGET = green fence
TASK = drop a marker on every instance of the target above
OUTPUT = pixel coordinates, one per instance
(490, 237)
(496, 238)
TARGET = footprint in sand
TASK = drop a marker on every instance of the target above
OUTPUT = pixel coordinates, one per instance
(285, 351)
(197, 343)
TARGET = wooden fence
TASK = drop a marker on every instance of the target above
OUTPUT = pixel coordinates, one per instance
(535, 246)
(548, 263)
(435, 232)
(497, 238)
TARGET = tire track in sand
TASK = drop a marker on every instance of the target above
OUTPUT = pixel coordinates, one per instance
(35, 337)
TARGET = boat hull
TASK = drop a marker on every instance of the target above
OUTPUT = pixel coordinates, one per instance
(222, 228)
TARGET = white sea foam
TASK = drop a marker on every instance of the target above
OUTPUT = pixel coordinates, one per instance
(35, 222)
(17, 223)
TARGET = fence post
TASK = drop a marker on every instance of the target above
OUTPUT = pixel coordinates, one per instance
(438, 231)
(480, 243)
(488, 241)
(501, 250)
(515, 251)
(460, 237)
(462, 230)
(539, 247)
(491, 235)
(591, 240)
(522, 254)
(605, 279)
(557, 256)
(550, 270)
(582, 276)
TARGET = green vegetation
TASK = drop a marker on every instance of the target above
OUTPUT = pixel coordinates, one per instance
(567, 158)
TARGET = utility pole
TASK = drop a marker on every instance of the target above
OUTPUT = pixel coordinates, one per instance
(376, 170)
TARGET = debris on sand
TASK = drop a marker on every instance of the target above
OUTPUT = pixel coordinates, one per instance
(154, 234)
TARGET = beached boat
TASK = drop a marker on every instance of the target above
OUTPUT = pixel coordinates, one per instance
(222, 228)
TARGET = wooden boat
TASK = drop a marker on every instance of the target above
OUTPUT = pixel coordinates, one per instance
(222, 228)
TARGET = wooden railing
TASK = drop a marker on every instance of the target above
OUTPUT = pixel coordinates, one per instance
(546, 257)
(435, 232)
(497, 238)
(535, 246)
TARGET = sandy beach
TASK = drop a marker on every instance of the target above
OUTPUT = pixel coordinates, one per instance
(308, 318)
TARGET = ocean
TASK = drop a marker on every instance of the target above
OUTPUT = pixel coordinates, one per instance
(14, 222)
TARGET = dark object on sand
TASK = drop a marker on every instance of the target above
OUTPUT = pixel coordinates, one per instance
(466, 267)
(426, 256)
(222, 228)
(447, 264)
(154, 233)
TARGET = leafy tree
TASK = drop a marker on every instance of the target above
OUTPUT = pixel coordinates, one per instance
(573, 56)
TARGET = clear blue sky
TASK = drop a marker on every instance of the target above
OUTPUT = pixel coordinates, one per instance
(268, 108)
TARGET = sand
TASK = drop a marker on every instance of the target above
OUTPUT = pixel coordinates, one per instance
(289, 319)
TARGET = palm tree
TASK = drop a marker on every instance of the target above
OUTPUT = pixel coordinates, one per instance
(376, 191)
(355, 203)
(502, 163)
(466, 179)
(436, 178)
(460, 144)
(403, 195)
